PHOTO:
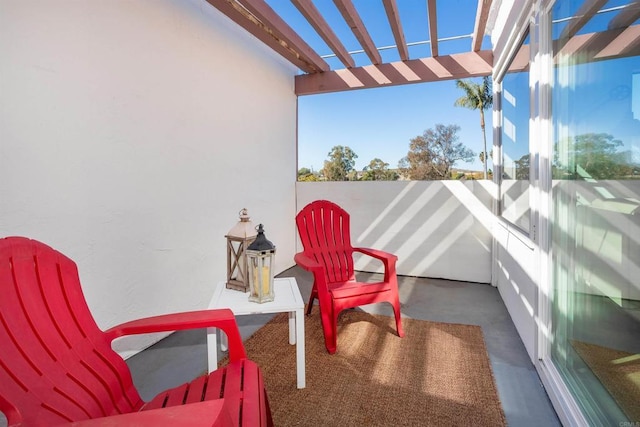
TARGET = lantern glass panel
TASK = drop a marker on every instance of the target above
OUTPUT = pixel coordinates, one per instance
(261, 276)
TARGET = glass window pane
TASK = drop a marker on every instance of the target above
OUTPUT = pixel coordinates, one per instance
(514, 138)
(596, 212)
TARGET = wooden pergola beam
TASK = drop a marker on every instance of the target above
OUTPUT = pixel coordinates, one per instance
(448, 67)
(313, 16)
(391, 8)
(259, 19)
(351, 16)
(480, 26)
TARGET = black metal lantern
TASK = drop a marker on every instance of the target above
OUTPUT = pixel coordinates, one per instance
(260, 257)
(238, 239)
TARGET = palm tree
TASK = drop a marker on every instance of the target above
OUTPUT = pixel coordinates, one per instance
(477, 97)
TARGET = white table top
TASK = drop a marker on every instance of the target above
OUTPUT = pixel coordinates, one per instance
(286, 292)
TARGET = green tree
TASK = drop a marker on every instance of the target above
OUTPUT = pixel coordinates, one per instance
(352, 175)
(458, 175)
(432, 154)
(306, 174)
(377, 170)
(595, 155)
(522, 167)
(478, 96)
(481, 156)
(341, 161)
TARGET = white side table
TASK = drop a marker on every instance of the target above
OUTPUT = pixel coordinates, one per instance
(287, 299)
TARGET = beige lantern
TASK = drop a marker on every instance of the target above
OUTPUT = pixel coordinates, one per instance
(260, 255)
(238, 239)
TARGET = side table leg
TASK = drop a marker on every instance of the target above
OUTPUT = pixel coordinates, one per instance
(300, 358)
(292, 327)
(212, 349)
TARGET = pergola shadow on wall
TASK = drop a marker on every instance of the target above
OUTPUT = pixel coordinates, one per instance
(438, 229)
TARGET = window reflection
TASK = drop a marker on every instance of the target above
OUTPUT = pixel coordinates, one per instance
(514, 182)
(596, 207)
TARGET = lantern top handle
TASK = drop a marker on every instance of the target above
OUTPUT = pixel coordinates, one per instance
(243, 229)
(261, 243)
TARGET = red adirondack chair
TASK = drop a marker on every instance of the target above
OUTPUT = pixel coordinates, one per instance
(58, 368)
(324, 230)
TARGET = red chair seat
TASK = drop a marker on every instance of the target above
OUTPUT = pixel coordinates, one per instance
(357, 289)
(235, 383)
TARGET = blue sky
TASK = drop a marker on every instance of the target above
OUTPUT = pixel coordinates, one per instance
(380, 122)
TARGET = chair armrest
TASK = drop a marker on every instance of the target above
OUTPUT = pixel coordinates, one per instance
(307, 263)
(311, 265)
(209, 413)
(388, 260)
(376, 253)
(219, 318)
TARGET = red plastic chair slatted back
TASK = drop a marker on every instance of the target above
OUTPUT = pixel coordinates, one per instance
(55, 363)
(324, 230)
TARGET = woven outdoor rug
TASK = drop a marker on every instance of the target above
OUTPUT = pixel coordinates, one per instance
(437, 375)
(618, 371)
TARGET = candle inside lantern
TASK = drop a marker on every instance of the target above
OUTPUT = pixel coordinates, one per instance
(265, 281)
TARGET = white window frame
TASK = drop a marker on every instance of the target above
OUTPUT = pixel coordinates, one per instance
(521, 29)
(542, 70)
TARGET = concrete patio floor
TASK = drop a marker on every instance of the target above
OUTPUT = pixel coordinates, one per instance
(182, 356)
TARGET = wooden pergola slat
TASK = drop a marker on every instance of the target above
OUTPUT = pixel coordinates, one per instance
(480, 25)
(433, 27)
(259, 19)
(591, 47)
(261, 10)
(583, 15)
(391, 8)
(627, 16)
(351, 16)
(311, 13)
(627, 43)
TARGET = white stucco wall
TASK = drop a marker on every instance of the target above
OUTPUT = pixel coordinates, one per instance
(439, 229)
(517, 273)
(131, 134)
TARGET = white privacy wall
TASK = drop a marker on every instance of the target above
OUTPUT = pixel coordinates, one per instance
(131, 134)
(439, 229)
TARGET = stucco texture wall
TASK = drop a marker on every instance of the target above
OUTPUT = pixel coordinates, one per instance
(131, 134)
